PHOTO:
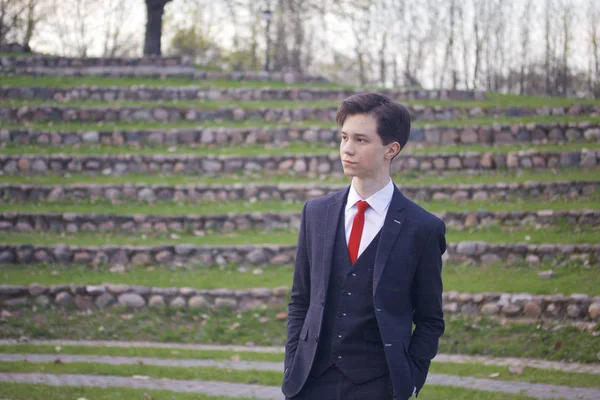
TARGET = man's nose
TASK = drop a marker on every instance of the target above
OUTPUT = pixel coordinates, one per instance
(348, 148)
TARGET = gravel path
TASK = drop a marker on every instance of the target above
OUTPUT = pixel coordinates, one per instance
(454, 358)
(540, 391)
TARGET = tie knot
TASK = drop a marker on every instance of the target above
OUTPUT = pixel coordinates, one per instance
(362, 206)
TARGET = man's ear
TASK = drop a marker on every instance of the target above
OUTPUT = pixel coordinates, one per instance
(392, 150)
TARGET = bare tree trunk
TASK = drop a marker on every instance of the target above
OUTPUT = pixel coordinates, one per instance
(382, 70)
(477, 15)
(566, 17)
(548, 46)
(595, 76)
(155, 10)
(449, 54)
(525, 29)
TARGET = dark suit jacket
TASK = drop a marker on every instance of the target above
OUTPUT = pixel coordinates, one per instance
(407, 288)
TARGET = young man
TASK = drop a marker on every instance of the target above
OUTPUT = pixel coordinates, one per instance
(368, 265)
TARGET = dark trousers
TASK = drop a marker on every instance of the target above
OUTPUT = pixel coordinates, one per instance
(333, 385)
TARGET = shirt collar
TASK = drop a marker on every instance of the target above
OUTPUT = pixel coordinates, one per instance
(379, 201)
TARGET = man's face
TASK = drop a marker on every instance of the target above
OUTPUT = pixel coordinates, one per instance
(361, 149)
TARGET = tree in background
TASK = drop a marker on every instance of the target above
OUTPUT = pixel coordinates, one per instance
(18, 21)
(155, 10)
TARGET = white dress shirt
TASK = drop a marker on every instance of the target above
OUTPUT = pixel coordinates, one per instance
(374, 216)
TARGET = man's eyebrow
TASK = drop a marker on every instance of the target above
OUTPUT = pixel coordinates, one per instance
(357, 134)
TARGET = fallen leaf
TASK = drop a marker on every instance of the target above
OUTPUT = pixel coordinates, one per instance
(558, 345)
(494, 375)
(281, 316)
(235, 325)
(126, 317)
(235, 358)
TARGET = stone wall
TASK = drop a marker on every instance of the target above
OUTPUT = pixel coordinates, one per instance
(500, 134)
(287, 192)
(186, 254)
(76, 222)
(576, 307)
(60, 63)
(145, 93)
(325, 114)
(310, 165)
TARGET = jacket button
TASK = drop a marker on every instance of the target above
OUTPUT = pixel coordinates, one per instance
(378, 309)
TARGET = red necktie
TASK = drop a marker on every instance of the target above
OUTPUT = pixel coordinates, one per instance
(357, 228)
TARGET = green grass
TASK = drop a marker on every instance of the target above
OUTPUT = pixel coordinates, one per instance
(463, 335)
(493, 100)
(406, 178)
(560, 233)
(28, 391)
(245, 206)
(514, 279)
(274, 378)
(189, 276)
(132, 351)
(18, 391)
(292, 148)
(141, 125)
(530, 374)
(269, 378)
(570, 279)
(101, 81)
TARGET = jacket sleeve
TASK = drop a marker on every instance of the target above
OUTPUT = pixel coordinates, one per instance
(300, 296)
(426, 295)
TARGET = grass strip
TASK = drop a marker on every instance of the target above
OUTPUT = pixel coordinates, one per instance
(267, 378)
(559, 233)
(54, 126)
(173, 208)
(475, 370)
(101, 81)
(493, 100)
(154, 352)
(46, 392)
(28, 391)
(292, 148)
(190, 276)
(571, 278)
(405, 178)
(273, 378)
(549, 340)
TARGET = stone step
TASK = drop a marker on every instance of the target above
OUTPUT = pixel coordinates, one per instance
(576, 307)
(138, 223)
(162, 72)
(59, 62)
(170, 113)
(310, 165)
(287, 192)
(163, 93)
(267, 254)
(497, 134)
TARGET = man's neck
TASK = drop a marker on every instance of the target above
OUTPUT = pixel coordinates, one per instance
(368, 187)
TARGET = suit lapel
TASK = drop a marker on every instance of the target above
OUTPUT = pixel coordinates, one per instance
(394, 221)
(332, 218)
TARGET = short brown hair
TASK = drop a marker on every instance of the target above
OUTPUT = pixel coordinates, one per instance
(393, 120)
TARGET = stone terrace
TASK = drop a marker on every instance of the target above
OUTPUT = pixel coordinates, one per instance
(287, 164)
(288, 192)
(497, 134)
